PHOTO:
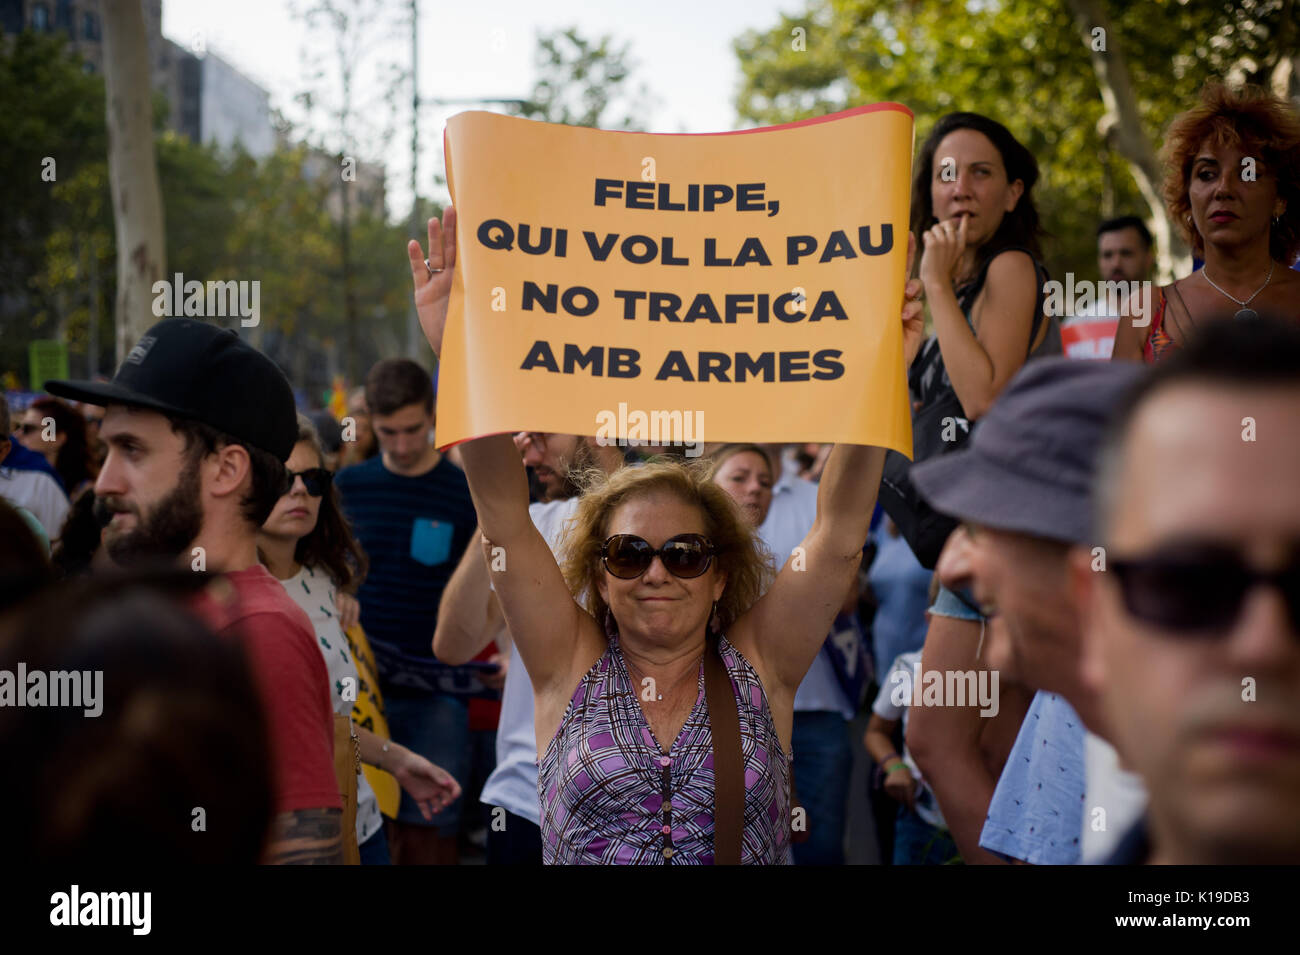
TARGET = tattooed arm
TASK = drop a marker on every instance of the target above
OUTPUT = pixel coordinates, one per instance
(306, 837)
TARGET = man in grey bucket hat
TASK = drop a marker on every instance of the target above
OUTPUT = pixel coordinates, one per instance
(1022, 488)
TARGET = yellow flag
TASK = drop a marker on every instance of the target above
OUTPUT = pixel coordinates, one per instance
(338, 405)
(368, 712)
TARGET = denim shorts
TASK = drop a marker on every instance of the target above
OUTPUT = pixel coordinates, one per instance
(948, 604)
(436, 727)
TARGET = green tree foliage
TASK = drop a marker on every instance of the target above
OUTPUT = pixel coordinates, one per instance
(351, 33)
(76, 280)
(1026, 64)
(53, 109)
(582, 82)
(228, 216)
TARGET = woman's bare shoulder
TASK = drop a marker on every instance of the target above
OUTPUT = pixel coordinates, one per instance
(1010, 263)
(1286, 277)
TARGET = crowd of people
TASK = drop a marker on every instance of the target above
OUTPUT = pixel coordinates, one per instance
(1067, 631)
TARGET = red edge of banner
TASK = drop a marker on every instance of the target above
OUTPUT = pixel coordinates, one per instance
(811, 121)
(455, 444)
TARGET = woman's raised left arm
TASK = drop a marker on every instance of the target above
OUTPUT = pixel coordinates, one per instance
(785, 629)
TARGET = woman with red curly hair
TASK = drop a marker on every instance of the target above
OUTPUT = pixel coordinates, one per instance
(1233, 187)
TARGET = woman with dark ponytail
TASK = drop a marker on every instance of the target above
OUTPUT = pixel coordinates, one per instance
(973, 214)
(56, 430)
(309, 547)
(974, 218)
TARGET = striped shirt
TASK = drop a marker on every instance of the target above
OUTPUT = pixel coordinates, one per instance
(414, 530)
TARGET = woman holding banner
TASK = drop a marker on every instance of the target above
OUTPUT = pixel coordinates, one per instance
(664, 701)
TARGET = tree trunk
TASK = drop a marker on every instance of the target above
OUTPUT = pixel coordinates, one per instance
(1122, 126)
(133, 171)
(92, 345)
(349, 293)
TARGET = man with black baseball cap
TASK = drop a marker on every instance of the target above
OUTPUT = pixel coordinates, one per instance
(198, 426)
(1022, 488)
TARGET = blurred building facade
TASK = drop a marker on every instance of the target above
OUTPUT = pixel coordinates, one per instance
(210, 101)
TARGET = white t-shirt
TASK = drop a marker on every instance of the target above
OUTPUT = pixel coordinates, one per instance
(314, 592)
(788, 521)
(513, 784)
(38, 493)
(1111, 788)
(891, 704)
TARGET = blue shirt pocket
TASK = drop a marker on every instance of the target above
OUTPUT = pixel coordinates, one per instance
(430, 541)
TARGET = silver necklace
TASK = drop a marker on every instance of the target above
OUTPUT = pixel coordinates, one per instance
(1246, 313)
(639, 678)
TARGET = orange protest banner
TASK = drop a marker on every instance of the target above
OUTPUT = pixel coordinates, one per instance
(679, 288)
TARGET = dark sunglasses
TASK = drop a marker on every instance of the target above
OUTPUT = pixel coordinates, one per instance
(26, 429)
(1200, 591)
(315, 480)
(627, 556)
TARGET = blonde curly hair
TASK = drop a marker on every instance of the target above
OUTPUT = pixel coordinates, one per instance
(738, 552)
(720, 457)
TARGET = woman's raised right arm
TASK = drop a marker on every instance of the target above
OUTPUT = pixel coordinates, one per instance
(539, 610)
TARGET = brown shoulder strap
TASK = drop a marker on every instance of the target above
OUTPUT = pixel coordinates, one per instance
(347, 763)
(728, 763)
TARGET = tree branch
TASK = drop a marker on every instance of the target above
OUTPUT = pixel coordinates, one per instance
(1122, 127)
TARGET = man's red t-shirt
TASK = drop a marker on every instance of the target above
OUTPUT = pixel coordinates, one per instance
(484, 714)
(292, 683)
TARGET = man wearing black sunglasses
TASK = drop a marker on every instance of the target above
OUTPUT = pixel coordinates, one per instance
(1192, 634)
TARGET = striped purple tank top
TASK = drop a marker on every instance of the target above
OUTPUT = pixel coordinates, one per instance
(609, 796)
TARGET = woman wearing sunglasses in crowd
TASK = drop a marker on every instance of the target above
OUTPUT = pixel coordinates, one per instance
(53, 428)
(667, 570)
(307, 544)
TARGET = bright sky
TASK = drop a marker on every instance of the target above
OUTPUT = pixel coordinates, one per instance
(682, 49)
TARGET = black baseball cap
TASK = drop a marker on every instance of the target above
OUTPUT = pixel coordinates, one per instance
(1029, 466)
(195, 370)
